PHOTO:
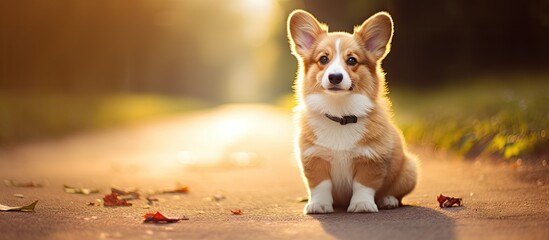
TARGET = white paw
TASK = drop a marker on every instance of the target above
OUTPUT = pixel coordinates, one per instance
(321, 199)
(362, 207)
(389, 202)
(363, 199)
(317, 207)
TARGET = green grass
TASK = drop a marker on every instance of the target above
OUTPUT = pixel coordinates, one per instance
(487, 118)
(26, 116)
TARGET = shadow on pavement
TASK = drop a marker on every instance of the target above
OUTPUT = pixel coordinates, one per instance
(409, 222)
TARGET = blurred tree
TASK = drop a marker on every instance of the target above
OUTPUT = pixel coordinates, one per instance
(194, 47)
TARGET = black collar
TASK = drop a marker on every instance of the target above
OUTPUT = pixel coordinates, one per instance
(343, 120)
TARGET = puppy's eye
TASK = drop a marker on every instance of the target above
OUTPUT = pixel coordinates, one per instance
(351, 61)
(323, 60)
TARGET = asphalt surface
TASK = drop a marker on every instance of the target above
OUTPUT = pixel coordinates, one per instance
(244, 154)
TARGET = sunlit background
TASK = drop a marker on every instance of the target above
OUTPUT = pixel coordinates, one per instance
(470, 76)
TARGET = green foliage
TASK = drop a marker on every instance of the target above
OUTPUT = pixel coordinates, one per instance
(488, 118)
(26, 116)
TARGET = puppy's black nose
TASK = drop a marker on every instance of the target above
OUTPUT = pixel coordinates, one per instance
(335, 78)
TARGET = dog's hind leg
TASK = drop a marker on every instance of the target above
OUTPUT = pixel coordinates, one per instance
(403, 184)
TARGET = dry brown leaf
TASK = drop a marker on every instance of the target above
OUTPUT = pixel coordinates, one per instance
(112, 200)
(159, 218)
(151, 200)
(183, 189)
(237, 212)
(445, 201)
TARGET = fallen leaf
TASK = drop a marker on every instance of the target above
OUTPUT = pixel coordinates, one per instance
(159, 218)
(14, 183)
(98, 202)
(445, 201)
(237, 212)
(85, 191)
(94, 204)
(183, 189)
(218, 197)
(18, 195)
(151, 200)
(126, 194)
(28, 208)
(112, 200)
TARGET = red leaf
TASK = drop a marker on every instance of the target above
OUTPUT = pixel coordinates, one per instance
(445, 201)
(158, 217)
(237, 212)
(112, 200)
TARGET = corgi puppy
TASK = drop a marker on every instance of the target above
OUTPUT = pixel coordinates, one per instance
(351, 153)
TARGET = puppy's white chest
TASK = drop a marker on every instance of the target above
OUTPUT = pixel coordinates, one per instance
(332, 135)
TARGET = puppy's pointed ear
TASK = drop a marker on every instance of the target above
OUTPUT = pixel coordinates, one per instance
(376, 34)
(304, 31)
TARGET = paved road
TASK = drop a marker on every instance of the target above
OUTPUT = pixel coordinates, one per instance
(243, 152)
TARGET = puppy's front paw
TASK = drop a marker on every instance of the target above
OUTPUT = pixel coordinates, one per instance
(320, 200)
(318, 207)
(362, 207)
(388, 202)
(363, 199)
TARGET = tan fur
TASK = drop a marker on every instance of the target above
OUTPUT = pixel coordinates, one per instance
(317, 169)
(393, 171)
